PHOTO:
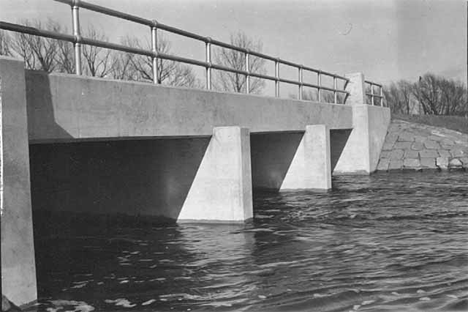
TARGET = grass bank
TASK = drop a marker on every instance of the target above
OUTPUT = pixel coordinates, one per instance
(456, 123)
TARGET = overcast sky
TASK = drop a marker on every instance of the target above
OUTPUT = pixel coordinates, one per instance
(385, 39)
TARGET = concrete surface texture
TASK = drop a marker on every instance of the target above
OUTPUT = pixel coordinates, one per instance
(362, 149)
(222, 188)
(67, 107)
(356, 89)
(311, 167)
(418, 147)
(18, 266)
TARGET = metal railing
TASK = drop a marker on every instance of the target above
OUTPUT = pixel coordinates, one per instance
(154, 26)
(373, 95)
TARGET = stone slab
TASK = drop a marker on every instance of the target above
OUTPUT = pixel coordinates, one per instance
(397, 154)
(411, 154)
(428, 153)
(395, 164)
(383, 164)
(411, 163)
(428, 162)
(403, 145)
(444, 153)
(442, 162)
(387, 146)
(455, 163)
(406, 137)
(417, 146)
(431, 144)
(457, 152)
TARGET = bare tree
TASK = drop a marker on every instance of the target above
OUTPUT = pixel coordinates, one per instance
(435, 95)
(39, 53)
(65, 57)
(5, 43)
(400, 97)
(122, 67)
(140, 67)
(440, 96)
(98, 60)
(226, 81)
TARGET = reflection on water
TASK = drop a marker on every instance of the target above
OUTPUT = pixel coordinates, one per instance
(388, 242)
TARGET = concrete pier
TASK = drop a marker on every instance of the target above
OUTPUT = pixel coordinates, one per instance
(222, 188)
(311, 165)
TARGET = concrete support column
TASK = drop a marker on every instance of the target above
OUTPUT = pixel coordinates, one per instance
(356, 88)
(18, 264)
(222, 188)
(311, 165)
(362, 150)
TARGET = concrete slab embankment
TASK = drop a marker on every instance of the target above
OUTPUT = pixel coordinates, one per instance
(414, 146)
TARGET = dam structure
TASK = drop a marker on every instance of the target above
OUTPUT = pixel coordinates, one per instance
(101, 146)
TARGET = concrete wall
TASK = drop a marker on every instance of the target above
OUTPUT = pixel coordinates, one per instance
(67, 107)
(18, 266)
(361, 152)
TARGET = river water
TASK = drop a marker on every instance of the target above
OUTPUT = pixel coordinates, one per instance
(388, 242)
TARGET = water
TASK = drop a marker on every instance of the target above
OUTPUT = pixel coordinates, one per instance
(388, 242)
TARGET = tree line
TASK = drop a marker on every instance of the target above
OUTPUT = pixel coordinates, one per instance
(51, 55)
(430, 95)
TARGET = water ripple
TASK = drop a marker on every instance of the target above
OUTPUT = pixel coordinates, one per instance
(393, 242)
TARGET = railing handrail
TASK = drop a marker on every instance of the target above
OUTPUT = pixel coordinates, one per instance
(78, 40)
(372, 95)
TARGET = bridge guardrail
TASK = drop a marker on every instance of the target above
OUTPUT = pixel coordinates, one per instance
(78, 40)
(373, 96)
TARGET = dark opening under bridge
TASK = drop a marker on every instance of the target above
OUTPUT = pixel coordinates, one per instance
(75, 143)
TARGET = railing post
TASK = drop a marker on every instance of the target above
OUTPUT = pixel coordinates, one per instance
(356, 89)
(154, 48)
(301, 81)
(381, 96)
(335, 86)
(372, 93)
(319, 84)
(247, 69)
(277, 73)
(208, 60)
(76, 32)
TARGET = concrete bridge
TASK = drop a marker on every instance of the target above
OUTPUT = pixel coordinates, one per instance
(72, 143)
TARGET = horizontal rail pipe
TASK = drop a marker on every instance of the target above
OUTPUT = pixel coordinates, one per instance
(373, 95)
(107, 11)
(36, 32)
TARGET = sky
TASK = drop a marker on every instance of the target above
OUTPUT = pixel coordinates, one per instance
(387, 40)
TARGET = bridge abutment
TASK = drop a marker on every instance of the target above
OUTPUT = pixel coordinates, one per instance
(361, 152)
